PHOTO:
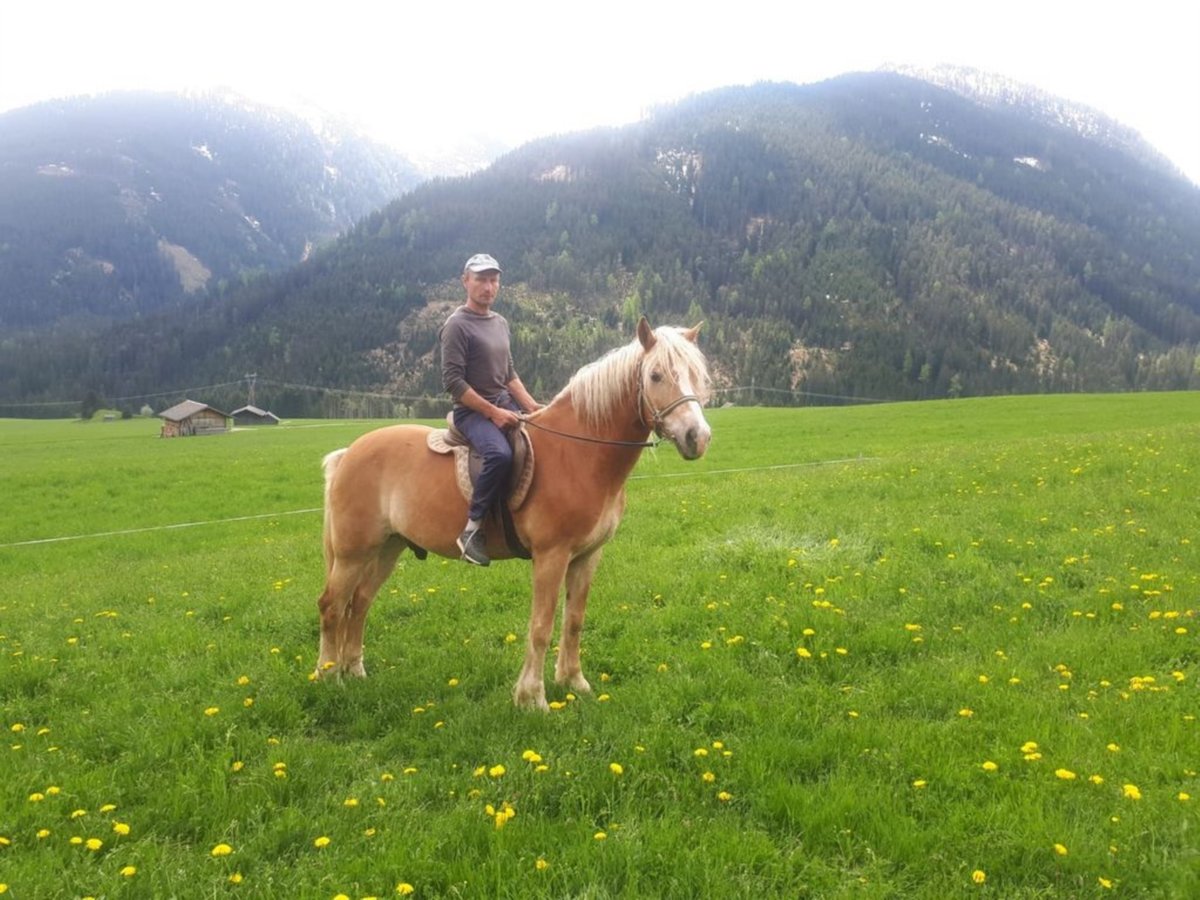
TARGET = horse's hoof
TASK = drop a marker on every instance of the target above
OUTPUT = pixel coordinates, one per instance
(533, 699)
(575, 682)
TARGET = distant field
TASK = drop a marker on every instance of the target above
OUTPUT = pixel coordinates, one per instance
(914, 650)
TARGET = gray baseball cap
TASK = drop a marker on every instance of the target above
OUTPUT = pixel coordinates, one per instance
(482, 262)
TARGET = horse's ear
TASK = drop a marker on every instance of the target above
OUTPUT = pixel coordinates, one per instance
(693, 332)
(646, 334)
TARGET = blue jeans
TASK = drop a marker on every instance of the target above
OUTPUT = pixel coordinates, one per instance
(492, 444)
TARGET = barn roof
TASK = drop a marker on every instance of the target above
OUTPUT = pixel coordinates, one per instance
(255, 411)
(186, 409)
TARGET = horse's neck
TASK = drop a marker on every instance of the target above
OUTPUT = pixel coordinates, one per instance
(622, 430)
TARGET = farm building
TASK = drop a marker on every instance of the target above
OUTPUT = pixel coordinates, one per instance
(191, 417)
(252, 415)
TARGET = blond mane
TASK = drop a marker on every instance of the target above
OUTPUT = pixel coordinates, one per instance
(601, 388)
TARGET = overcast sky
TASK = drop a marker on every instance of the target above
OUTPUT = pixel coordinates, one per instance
(421, 74)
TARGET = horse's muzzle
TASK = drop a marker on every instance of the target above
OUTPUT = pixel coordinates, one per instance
(694, 441)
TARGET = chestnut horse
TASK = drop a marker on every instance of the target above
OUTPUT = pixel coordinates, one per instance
(388, 491)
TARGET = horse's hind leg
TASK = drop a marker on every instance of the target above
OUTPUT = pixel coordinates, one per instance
(341, 584)
(364, 595)
(567, 668)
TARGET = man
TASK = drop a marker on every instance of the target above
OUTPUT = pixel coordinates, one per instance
(477, 370)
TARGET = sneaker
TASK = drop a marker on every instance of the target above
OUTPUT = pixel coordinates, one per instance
(473, 545)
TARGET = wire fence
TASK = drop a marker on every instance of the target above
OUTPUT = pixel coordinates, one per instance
(315, 401)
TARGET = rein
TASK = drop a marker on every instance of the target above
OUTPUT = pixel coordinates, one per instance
(591, 440)
(656, 416)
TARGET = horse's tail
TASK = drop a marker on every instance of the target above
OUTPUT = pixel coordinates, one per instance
(329, 465)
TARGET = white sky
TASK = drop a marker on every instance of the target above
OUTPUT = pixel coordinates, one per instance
(420, 74)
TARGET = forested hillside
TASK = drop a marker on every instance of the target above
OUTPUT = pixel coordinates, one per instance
(119, 205)
(874, 236)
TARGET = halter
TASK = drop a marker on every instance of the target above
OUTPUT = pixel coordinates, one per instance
(657, 416)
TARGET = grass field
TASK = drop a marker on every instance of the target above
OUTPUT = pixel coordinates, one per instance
(914, 650)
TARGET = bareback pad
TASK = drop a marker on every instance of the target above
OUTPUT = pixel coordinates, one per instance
(468, 463)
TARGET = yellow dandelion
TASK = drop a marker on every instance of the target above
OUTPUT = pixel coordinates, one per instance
(108, 807)
(1096, 779)
(321, 843)
(129, 871)
(1184, 796)
(78, 813)
(235, 878)
(43, 833)
(531, 756)
(404, 888)
(1105, 883)
(222, 850)
(989, 766)
(212, 710)
(121, 828)
(979, 876)
(1064, 774)
(1131, 792)
(709, 777)
(1114, 748)
(616, 768)
(920, 783)
(350, 802)
(724, 796)
(36, 797)
(599, 836)
(94, 844)
(966, 712)
(1060, 849)
(541, 865)
(496, 771)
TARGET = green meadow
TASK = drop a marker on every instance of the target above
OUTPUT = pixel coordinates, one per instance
(932, 650)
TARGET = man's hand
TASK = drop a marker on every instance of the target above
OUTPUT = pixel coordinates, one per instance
(503, 418)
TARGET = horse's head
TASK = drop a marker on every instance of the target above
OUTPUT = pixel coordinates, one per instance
(673, 387)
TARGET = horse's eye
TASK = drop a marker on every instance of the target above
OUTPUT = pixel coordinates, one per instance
(656, 376)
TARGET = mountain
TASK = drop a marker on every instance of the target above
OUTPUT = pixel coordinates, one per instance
(872, 236)
(119, 205)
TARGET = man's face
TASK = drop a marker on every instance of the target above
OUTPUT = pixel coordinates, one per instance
(482, 288)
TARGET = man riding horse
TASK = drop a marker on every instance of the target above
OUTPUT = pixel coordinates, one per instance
(477, 371)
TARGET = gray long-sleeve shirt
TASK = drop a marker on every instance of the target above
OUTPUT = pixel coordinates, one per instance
(476, 353)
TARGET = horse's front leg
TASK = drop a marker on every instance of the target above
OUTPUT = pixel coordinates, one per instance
(567, 669)
(548, 572)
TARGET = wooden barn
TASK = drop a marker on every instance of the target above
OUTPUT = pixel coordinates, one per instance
(191, 417)
(252, 415)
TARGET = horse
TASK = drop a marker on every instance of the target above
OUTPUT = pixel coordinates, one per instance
(388, 492)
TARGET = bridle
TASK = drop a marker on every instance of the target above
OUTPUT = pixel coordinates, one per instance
(657, 417)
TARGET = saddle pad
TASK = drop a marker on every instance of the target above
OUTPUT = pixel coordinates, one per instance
(466, 463)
